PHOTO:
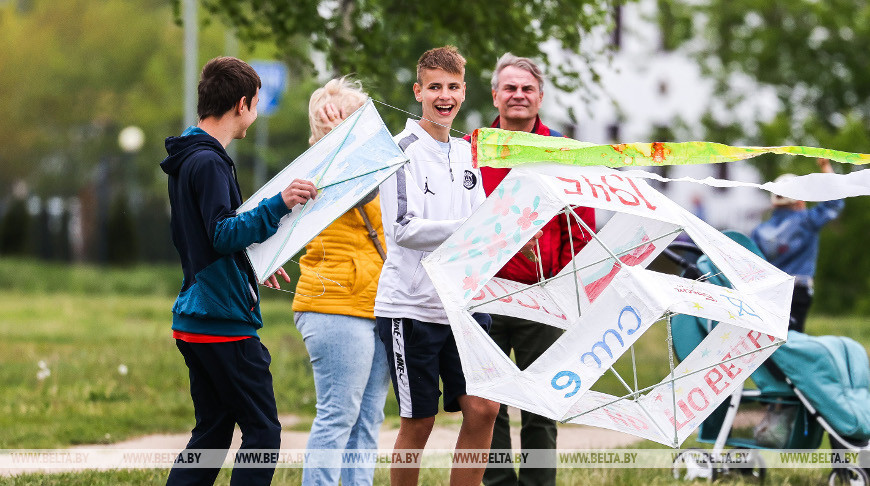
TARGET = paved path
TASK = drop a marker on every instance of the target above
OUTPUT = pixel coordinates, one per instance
(443, 436)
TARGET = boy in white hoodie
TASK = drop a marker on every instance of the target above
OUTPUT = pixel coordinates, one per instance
(421, 205)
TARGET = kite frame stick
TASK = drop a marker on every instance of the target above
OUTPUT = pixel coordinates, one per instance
(567, 210)
(361, 175)
(527, 287)
(670, 341)
(674, 379)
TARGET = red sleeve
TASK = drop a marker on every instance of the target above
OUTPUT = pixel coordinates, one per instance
(492, 177)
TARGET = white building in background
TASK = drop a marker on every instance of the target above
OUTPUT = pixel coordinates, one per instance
(647, 90)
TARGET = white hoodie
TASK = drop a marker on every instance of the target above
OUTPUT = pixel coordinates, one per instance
(421, 205)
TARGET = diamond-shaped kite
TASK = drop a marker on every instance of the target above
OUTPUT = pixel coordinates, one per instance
(347, 164)
(606, 299)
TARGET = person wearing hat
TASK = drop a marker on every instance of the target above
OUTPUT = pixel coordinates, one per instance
(789, 239)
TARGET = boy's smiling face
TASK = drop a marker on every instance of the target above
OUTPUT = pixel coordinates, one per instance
(441, 94)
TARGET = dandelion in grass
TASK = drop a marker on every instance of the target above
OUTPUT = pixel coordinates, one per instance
(43, 372)
(122, 369)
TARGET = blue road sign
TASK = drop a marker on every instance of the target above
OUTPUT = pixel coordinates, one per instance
(273, 75)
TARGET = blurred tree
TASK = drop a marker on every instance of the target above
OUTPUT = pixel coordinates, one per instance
(78, 71)
(74, 73)
(380, 41)
(812, 55)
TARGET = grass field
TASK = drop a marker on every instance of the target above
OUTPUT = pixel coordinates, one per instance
(114, 373)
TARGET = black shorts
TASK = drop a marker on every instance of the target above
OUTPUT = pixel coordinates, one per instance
(419, 353)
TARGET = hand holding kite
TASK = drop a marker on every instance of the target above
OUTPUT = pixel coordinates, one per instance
(298, 192)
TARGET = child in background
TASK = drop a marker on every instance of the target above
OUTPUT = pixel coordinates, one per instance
(790, 240)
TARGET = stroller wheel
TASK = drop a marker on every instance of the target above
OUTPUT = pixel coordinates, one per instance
(693, 464)
(849, 475)
(755, 467)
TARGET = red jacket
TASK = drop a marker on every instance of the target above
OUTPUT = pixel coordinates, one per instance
(555, 243)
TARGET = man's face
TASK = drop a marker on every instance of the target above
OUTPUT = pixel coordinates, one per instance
(518, 96)
(441, 95)
(248, 115)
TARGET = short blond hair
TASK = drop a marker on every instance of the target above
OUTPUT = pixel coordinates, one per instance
(347, 95)
(446, 58)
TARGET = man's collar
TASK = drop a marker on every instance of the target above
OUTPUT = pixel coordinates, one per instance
(539, 128)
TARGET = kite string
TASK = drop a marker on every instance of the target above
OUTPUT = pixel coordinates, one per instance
(418, 116)
(320, 277)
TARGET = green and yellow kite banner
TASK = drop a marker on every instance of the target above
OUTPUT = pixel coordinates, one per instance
(493, 147)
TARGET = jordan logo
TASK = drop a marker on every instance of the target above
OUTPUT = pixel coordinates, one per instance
(426, 189)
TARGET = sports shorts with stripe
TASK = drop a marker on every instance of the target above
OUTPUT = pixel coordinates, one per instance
(419, 353)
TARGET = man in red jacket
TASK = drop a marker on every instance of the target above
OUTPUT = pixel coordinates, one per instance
(517, 92)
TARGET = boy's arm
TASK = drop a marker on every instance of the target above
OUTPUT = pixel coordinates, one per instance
(402, 204)
(235, 233)
(231, 232)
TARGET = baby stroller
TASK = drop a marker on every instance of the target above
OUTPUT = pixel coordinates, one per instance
(810, 385)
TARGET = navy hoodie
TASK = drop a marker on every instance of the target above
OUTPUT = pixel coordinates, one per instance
(219, 293)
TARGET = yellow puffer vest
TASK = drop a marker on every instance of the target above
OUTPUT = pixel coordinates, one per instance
(342, 253)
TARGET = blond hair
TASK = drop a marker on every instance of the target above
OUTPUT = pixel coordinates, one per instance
(345, 94)
(446, 58)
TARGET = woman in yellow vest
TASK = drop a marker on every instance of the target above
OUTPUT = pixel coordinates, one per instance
(334, 310)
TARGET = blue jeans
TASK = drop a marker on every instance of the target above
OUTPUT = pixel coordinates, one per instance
(351, 380)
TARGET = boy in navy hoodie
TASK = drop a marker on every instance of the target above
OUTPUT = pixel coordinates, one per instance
(217, 313)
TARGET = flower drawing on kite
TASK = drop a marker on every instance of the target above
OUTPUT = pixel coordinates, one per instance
(527, 218)
(528, 215)
(497, 244)
(473, 277)
(466, 247)
(470, 282)
(502, 204)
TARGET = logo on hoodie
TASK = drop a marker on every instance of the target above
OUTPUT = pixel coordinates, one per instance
(470, 180)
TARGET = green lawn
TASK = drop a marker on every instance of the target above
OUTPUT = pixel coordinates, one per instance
(115, 373)
(430, 477)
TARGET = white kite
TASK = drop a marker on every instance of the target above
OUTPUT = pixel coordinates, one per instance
(347, 164)
(606, 299)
